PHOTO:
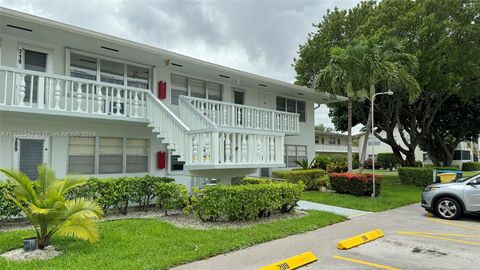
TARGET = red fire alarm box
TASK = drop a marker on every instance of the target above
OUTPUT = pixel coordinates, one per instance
(162, 90)
(161, 160)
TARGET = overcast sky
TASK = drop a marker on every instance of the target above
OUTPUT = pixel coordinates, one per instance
(261, 37)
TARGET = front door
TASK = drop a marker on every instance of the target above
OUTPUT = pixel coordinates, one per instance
(34, 60)
(29, 153)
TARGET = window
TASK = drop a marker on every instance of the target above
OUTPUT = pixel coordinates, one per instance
(111, 155)
(111, 71)
(81, 155)
(214, 91)
(175, 164)
(197, 88)
(137, 76)
(84, 67)
(293, 106)
(374, 141)
(331, 140)
(323, 141)
(461, 155)
(317, 139)
(179, 87)
(338, 141)
(183, 86)
(293, 153)
(137, 155)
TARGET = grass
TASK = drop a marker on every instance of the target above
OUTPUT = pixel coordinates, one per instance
(153, 244)
(393, 194)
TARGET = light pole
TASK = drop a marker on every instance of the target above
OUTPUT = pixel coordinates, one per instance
(373, 137)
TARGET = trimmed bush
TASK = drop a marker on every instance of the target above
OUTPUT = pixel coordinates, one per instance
(119, 192)
(170, 196)
(471, 166)
(355, 183)
(244, 202)
(451, 167)
(8, 209)
(336, 168)
(312, 178)
(387, 160)
(260, 180)
(416, 175)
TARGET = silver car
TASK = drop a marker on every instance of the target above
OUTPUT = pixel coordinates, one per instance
(451, 200)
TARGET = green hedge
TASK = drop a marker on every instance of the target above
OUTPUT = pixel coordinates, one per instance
(416, 175)
(471, 166)
(355, 183)
(244, 202)
(387, 160)
(260, 180)
(313, 179)
(120, 192)
(7, 208)
(452, 167)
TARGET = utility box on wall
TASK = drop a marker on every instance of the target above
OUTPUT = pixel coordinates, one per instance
(162, 90)
(161, 160)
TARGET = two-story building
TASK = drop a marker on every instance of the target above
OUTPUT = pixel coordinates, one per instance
(329, 143)
(96, 105)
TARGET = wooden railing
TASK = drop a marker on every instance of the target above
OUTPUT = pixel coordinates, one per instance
(245, 117)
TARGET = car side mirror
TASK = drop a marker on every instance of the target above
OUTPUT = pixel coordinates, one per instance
(474, 182)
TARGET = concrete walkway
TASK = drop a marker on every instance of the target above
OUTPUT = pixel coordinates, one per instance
(450, 245)
(346, 212)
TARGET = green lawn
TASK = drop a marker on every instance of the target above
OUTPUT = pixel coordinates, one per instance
(393, 194)
(152, 244)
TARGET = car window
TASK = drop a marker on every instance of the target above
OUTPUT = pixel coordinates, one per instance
(476, 176)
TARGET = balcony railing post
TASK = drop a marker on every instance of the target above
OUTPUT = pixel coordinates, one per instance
(21, 90)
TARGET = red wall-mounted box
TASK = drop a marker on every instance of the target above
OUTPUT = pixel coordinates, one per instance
(161, 160)
(162, 90)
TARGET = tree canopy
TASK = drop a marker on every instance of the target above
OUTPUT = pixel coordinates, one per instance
(444, 35)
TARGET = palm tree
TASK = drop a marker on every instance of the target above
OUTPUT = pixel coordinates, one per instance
(384, 63)
(364, 65)
(341, 77)
(45, 205)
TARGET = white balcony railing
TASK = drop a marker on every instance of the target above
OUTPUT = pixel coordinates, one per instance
(234, 149)
(198, 137)
(36, 90)
(334, 148)
(226, 114)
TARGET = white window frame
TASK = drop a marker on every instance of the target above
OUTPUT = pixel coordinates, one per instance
(296, 105)
(169, 165)
(102, 57)
(296, 153)
(189, 92)
(124, 155)
(24, 46)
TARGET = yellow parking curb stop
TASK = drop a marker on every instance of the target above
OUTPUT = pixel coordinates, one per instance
(292, 262)
(359, 239)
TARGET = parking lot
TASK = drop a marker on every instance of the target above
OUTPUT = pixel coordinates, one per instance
(413, 240)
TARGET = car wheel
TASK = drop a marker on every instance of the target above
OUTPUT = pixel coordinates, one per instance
(448, 208)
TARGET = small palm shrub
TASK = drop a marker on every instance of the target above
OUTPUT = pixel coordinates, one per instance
(312, 178)
(45, 204)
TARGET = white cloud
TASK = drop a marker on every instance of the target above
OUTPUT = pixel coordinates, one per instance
(261, 37)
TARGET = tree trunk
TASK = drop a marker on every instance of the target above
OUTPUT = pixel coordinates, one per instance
(349, 146)
(365, 141)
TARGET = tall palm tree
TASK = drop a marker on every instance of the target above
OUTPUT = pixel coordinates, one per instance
(385, 64)
(45, 205)
(341, 77)
(363, 65)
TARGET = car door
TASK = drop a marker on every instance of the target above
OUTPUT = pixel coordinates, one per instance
(472, 195)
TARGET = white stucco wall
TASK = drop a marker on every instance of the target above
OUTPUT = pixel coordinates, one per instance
(9, 46)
